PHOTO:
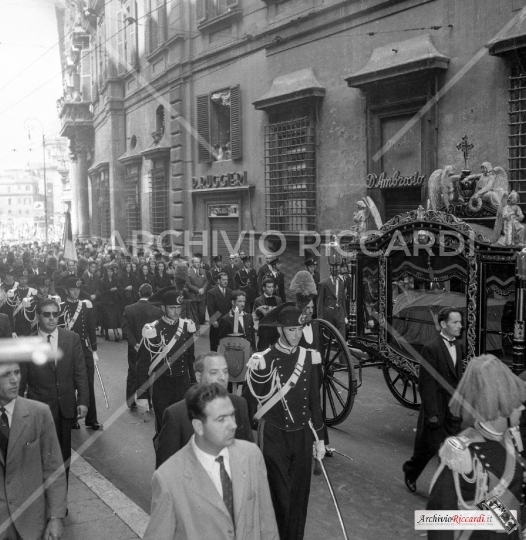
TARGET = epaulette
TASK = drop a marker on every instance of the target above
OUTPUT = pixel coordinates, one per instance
(456, 455)
(148, 331)
(32, 292)
(190, 325)
(315, 356)
(88, 303)
(26, 302)
(257, 360)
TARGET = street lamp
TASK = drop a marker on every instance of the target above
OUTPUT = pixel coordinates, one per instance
(29, 125)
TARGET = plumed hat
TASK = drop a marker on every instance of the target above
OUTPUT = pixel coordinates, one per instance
(304, 287)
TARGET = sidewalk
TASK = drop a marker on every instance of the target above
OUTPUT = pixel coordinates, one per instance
(97, 509)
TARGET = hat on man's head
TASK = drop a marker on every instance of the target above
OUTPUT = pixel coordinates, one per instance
(309, 262)
(43, 281)
(245, 258)
(304, 287)
(167, 296)
(274, 260)
(217, 258)
(21, 272)
(287, 314)
(72, 282)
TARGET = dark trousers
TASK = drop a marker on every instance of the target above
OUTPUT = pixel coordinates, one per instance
(288, 457)
(64, 426)
(336, 316)
(131, 379)
(428, 441)
(214, 338)
(196, 311)
(165, 391)
(91, 417)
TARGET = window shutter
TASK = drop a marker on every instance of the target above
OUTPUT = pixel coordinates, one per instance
(201, 10)
(232, 3)
(85, 83)
(203, 128)
(120, 42)
(235, 123)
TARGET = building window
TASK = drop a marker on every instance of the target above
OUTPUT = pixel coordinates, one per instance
(159, 122)
(28, 188)
(132, 194)
(9, 200)
(212, 9)
(104, 225)
(290, 175)
(517, 133)
(155, 24)
(158, 196)
(127, 36)
(219, 125)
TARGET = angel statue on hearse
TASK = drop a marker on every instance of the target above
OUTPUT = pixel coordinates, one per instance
(483, 192)
(367, 218)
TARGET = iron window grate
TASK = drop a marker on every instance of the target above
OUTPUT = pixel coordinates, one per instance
(158, 198)
(132, 196)
(517, 131)
(290, 175)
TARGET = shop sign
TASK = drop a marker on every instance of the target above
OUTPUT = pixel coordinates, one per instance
(223, 210)
(383, 181)
(228, 180)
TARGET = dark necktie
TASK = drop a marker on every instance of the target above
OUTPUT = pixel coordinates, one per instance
(4, 432)
(226, 482)
(450, 342)
(49, 342)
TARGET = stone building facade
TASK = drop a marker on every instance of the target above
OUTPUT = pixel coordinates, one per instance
(196, 121)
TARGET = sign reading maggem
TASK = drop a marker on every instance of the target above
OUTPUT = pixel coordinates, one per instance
(397, 181)
(227, 180)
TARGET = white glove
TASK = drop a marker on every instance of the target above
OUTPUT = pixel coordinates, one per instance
(96, 357)
(142, 405)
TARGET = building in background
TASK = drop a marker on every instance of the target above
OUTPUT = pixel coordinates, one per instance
(22, 200)
(214, 117)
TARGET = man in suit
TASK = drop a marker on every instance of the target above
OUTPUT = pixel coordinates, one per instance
(5, 326)
(245, 322)
(264, 304)
(263, 271)
(213, 273)
(275, 273)
(218, 303)
(231, 270)
(30, 464)
(247, 281)
(332, 304)
(197, 284)
(62, 384)
(177, 429)
(216, 486)
(440, 371)
(135, 317)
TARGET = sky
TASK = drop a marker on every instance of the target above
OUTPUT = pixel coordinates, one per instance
(30, 78)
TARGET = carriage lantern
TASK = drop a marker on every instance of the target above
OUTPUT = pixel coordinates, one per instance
(334, 252)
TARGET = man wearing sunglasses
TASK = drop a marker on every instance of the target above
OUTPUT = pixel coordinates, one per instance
(55, 382)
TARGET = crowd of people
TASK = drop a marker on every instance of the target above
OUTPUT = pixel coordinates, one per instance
(206, 461)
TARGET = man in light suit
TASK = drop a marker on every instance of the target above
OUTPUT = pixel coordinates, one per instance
(135, 317)
(332, 304)
(62, 384)
(177, 429)
(197, 284)
(216, 486)
(29, 457)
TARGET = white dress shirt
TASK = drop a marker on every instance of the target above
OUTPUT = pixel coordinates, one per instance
(452, 349)
(53, 341)
(211, 466)
(9, 409)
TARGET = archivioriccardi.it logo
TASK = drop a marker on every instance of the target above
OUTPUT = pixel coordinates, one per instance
(443, 520)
